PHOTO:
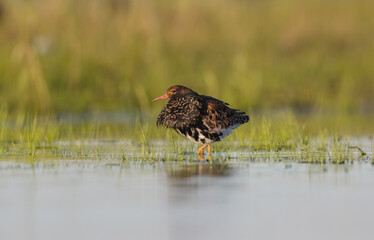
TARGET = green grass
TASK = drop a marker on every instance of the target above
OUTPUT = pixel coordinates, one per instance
(67, 55)
(270, 139)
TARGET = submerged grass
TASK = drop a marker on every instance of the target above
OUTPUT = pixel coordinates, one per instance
(282, 138)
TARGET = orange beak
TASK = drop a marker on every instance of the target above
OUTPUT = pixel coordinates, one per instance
(162, 97)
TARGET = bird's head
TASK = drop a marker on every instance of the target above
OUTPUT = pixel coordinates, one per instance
(176, 90)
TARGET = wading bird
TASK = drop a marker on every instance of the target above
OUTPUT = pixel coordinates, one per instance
(201, 119)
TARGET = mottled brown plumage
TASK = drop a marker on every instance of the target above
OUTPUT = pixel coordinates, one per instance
(199, 118)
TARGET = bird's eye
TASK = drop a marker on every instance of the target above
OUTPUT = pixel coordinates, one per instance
(173, 91)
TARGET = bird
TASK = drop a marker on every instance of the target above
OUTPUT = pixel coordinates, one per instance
(201, 119)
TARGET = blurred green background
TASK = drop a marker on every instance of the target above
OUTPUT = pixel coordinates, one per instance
(117, 55)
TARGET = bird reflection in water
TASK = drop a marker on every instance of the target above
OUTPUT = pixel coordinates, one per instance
(191, 182)
(213, 169)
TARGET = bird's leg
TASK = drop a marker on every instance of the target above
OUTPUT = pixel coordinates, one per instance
(201, 150)
(209, 150)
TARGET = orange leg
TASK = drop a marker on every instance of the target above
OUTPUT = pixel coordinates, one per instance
(201, 150)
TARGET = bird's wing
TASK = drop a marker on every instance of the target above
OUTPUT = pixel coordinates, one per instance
(220, 116)
(181, 112)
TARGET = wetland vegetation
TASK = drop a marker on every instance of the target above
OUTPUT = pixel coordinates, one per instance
(276, 138)
(81, 156)
(303, 71)
(73, 56)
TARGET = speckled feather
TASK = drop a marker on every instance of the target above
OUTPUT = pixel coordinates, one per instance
(181, 111)
(200, 118)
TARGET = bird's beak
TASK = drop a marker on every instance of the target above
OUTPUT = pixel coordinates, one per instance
(162, 97)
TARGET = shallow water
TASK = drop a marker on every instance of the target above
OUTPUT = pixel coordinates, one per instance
(185, 199)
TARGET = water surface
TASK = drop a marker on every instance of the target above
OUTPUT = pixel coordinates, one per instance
(185, 199)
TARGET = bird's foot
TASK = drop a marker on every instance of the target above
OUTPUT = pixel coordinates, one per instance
(201, 157)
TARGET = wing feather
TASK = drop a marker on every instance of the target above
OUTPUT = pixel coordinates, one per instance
(220, 116)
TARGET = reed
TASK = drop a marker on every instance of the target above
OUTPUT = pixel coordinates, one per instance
(309, 55)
